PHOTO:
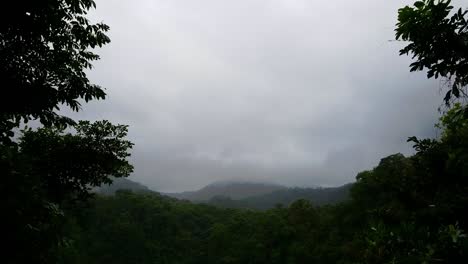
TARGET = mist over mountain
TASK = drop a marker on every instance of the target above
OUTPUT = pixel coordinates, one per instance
(255, 195)
(231, 189)
(121, 184)
(241, 194)
(286, 196)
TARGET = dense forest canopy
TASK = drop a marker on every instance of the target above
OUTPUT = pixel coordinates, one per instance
(46, 47)
(407, 209)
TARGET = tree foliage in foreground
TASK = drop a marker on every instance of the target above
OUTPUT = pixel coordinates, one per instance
(45, 49)
(51, 170)
(438, 41)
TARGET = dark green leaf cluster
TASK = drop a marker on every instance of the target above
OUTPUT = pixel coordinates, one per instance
(48, 171)
(45, 49)
(437, 41)
(73, 162)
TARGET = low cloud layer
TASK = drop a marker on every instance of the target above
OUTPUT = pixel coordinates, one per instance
(299, 93)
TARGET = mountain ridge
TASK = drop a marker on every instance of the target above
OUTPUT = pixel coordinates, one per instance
(241, 194)
(231, 189)
(317, 196)
(121, 184)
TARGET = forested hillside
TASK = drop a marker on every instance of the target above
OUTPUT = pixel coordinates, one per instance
(233, 190)
(284, 197)
(247, 195)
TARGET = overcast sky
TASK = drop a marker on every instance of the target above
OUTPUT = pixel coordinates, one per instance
(296, 92)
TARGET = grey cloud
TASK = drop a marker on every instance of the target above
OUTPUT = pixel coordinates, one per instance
(295, 92)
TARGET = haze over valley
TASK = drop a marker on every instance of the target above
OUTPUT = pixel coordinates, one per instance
(259, 90)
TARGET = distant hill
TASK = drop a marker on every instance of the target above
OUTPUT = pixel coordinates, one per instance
(248, 195)
(261, 195)
(232, 190)
(285, 196)
(121, 184)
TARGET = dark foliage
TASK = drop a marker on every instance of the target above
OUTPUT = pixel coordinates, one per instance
(45, 48)
(49, 171)
(438, 41)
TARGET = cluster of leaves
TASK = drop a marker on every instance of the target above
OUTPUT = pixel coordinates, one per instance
(438, 42)
(50, 170)
(417, 205)
(74, 162)
(45, 48)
